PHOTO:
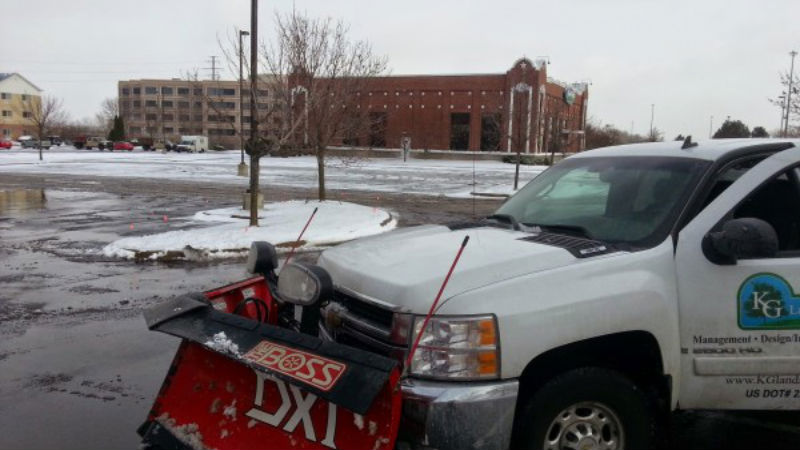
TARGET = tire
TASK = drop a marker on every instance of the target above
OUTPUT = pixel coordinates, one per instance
(601, 408)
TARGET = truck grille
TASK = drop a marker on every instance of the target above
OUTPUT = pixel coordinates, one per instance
(365, 326)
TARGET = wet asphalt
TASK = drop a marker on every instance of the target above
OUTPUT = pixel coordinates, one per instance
(78, 368)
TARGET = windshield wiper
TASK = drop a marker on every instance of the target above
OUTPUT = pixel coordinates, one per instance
(575, 230)
(511, 220)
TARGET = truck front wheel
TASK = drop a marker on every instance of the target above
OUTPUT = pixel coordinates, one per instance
(588, 409)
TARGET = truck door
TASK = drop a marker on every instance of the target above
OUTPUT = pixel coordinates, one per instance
(740, 322)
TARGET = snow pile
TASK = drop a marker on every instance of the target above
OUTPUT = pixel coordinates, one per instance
(223, 233)
(222, 344)
(188, 433)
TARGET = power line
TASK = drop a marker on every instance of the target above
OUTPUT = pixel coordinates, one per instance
(83, 63)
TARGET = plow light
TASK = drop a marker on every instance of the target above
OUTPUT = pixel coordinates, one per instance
(304, 284)
(262, 259)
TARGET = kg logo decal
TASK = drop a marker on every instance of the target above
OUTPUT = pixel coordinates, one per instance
(767, 302)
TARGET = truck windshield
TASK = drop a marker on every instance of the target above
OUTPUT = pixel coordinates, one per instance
(626, 200)
(187, 142)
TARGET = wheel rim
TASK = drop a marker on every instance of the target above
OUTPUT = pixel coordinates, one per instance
(585, 426)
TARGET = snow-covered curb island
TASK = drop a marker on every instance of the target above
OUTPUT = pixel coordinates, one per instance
(224, 233)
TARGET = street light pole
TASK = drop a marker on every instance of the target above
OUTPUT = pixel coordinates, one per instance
(710, 127)
(652, 116)
(242, 171)
(789, 96)
(254, 150)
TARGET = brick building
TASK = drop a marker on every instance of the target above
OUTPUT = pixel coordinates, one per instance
(18, 98)
(519, 109)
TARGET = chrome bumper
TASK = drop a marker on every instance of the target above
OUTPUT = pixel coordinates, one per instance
(457, 415)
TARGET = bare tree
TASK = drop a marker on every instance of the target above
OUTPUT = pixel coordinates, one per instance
(318, 74)
(109, 108)
(45, 113)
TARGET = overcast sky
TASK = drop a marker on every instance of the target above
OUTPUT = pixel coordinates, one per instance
(692, 59)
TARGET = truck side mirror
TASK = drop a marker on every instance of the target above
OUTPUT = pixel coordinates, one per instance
(744, 238)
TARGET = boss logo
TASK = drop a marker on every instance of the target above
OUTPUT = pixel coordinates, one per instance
(314, 370)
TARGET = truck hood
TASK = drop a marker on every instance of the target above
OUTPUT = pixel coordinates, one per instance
(405, 268)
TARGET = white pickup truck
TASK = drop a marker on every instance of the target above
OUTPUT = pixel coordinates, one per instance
(618, 285)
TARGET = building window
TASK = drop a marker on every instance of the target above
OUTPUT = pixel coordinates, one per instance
(262, 92)
(5, 96)
(184, 118)
(198, 104)
(150, 103)
(137, 103)
(167, 104)
(24, 97)
(150, 116)
(222, 105)
(137, 91)
(168, 129)
(198, 91)
(168, 117)
(165, 90)
(6, 113)
(183, 105)
(198, 118)
(217, 92)
(126, 91)
(490, 132)
(459, 131)
(27, 114)
(183, 91)
(6, 132)
(150, 90)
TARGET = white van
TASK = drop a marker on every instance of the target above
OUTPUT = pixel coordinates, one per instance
(192, 144)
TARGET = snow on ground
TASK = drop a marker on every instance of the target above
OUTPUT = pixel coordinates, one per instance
(428, 177)
(225, 232)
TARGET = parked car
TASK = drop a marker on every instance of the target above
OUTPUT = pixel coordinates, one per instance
(55, 140)
(144, 142)
(5, 143)
(163, 145)
(103, 144)
(122, 145)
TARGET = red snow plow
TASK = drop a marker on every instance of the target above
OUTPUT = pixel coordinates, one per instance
(251, 372)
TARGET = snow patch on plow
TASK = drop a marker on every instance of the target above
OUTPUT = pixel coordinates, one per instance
(225, 233)
(222, 344)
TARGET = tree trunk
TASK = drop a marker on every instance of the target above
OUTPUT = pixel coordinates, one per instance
(254, 173)
(516, 170)
(321, 173)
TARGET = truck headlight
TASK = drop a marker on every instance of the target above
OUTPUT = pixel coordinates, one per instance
(457, 347)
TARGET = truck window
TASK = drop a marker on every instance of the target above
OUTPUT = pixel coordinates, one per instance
(778, 203)
(625, 199)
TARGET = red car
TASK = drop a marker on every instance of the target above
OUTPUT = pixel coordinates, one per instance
(123, 146)
(4, 143)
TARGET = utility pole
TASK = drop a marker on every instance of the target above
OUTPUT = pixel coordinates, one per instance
(789, 96)
(242, 170)
(213, 68)
(255, 150)
(652, 116)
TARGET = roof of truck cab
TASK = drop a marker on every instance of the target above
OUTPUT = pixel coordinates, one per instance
(709, 150)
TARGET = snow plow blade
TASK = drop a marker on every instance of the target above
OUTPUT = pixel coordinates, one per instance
(237, 383)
